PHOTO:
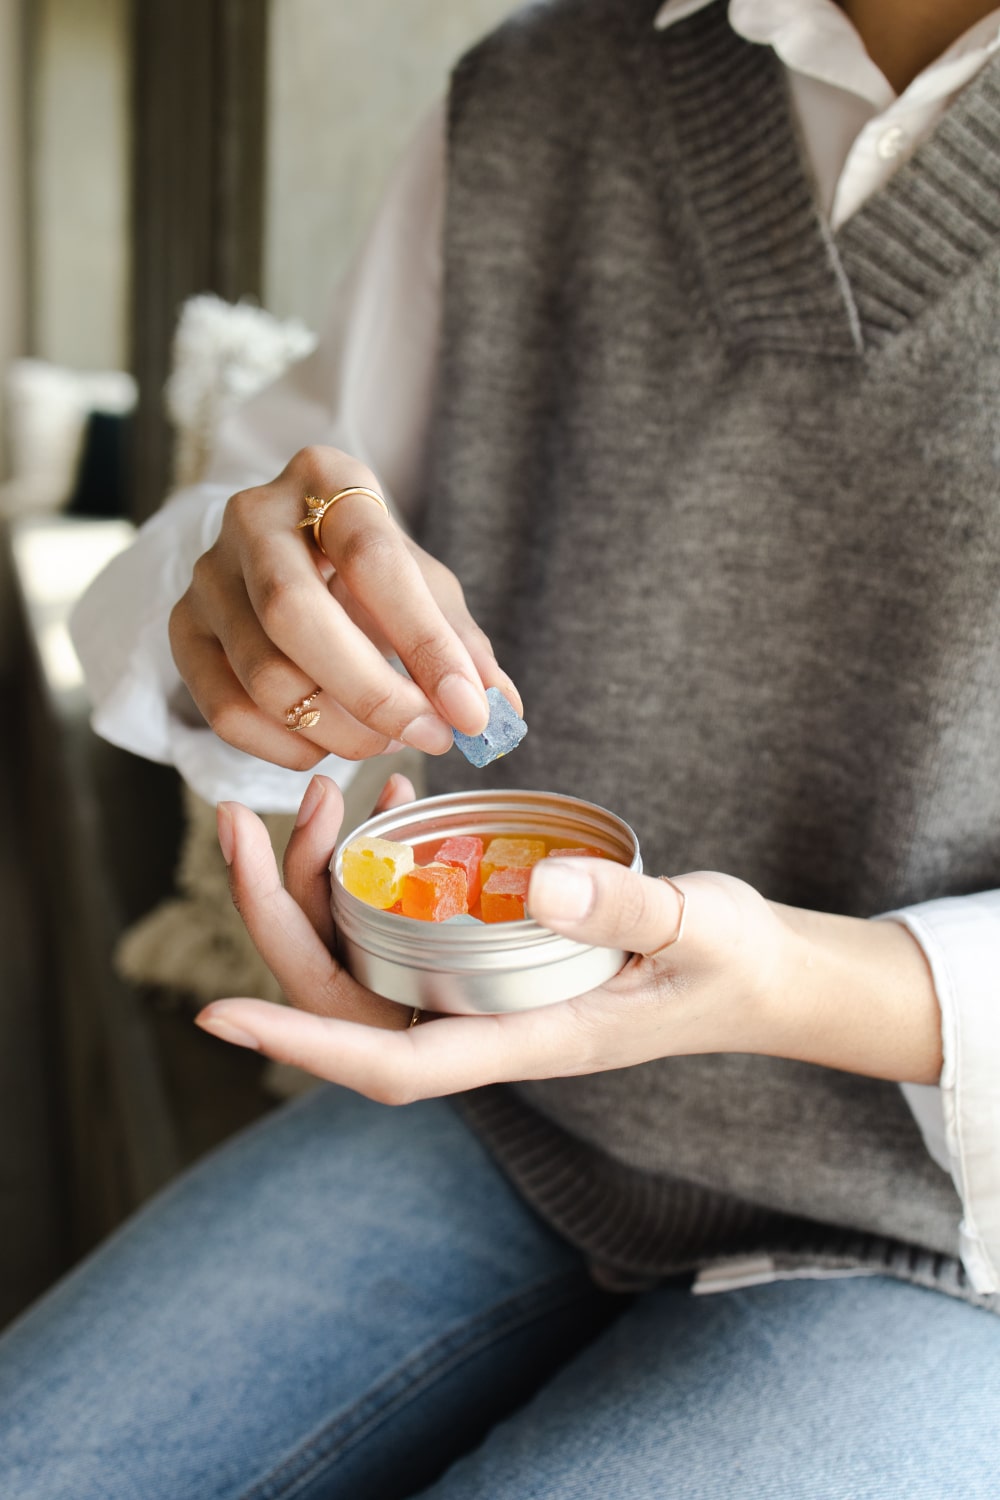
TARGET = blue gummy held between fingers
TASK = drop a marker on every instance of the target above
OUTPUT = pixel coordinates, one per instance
(503, 733)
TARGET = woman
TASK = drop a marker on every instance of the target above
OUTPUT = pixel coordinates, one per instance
(712, 454)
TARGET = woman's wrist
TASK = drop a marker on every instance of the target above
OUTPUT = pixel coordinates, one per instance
(856, 995)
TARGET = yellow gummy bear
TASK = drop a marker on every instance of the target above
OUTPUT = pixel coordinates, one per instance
(373, 870)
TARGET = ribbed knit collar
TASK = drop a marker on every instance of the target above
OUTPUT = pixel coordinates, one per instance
(776, 275)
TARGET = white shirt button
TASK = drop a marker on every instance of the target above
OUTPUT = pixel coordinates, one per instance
(892, 143)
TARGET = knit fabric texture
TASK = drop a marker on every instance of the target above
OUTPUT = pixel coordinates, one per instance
(722, 487)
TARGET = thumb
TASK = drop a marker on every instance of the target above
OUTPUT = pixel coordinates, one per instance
(601, 902)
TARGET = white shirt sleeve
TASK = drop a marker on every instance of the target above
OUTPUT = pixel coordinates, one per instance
(960, 1120)
(366, 389)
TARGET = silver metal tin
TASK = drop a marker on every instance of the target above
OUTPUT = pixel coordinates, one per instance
(500, 966)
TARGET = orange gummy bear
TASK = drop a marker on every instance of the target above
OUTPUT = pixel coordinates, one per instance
(504, 894)
(433, 893)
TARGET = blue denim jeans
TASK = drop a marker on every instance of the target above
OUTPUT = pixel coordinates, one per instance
(349, 1300)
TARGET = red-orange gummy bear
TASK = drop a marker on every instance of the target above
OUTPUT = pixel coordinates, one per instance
(433, 893)
(504, 895)
(465, 853)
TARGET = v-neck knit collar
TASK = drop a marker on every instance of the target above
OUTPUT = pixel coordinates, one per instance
(779, 278)
(817, 38)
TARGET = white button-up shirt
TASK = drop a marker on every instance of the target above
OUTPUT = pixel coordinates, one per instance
(367, 390)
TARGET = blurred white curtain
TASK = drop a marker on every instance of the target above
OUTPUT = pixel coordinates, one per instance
(347, 84)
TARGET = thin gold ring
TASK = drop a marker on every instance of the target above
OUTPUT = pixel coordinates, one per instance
(415, 1018)
(680, 920)
(318, 509)
(301, 716)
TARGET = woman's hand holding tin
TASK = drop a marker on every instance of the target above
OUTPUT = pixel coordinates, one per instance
(271, 622)
(744, 975)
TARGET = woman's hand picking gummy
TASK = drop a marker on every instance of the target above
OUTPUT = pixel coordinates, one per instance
(269, 620)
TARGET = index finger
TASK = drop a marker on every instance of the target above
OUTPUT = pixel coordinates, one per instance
(372, 559)
(283, 576)
(299, 616)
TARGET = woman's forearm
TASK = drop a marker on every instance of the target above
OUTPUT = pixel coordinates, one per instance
(856, 995)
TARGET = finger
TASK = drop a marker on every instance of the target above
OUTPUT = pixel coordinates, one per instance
(487, 668)
(314, 632)
(451, 597)
(285, 578)
(307, 854)
(314, 837)
(474, 639)
(276, 685)
(285, 938)
(398, 790)
(358, 615)
(223, 702)
(449, 592)
(601, 902)
(447, 1056)
(372, 557)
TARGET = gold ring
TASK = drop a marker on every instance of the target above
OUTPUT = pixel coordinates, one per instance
(318, 509)
(680, 920)
(415, 1018)
(301, 716)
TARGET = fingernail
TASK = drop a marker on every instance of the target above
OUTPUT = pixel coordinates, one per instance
(394, 747)
(428, 733)
(561, 891)
(464, 704)
(310, 802)
(227, 834)
(226, 1031)
(511, 693)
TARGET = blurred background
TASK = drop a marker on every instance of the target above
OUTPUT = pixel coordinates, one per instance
(151, 152)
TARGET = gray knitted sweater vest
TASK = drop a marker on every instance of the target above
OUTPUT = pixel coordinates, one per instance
(723, 490)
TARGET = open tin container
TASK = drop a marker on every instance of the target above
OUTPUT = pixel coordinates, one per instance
(488, 968)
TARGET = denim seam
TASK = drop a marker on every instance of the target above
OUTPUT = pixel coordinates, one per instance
(332, 1440)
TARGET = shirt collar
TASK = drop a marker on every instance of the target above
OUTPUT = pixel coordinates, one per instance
(809, 36)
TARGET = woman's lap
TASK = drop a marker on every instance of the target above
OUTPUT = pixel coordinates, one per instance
(345, 1298)
(861, 1388)
(327, 1304)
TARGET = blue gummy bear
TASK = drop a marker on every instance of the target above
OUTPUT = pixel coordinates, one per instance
(503, 733)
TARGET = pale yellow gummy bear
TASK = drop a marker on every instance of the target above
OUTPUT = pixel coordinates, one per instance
(373, 870)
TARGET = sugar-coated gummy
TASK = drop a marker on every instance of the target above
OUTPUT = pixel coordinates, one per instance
(504, 732)
(433, 893)
(504, 895)
(373, 870)
(507, 853)
(465, 851)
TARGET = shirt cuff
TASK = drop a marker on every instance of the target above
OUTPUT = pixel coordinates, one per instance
(960, 936)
